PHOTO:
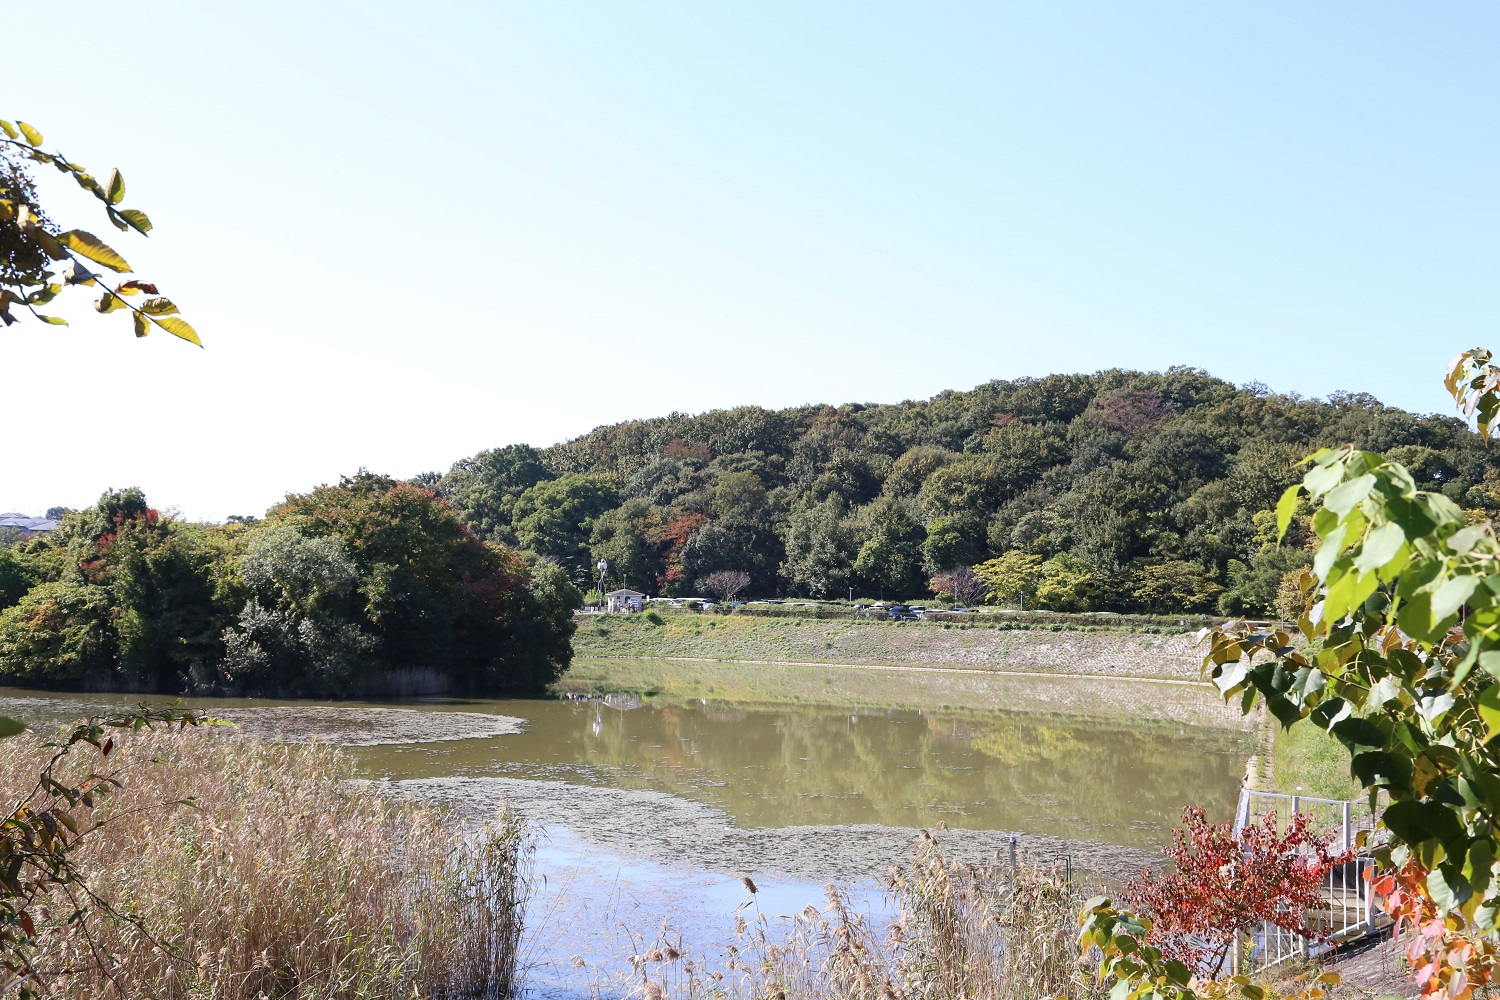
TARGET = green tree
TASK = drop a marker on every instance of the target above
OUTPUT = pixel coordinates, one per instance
(484, 489)
(434, 595)
(1010, 578)
(890, 556)
(556, 518)
(18, 574)
(1067, 584)
(914, 468)
(629, 538)
(733, 544)
(59, 634)
(39, 259)
(951, 541)
(820, 547)
(170, 617)
(740, 495)
(1175, 586)
(1255, 586)
(302, 631)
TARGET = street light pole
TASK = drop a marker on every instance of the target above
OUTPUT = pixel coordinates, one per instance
(603, 565)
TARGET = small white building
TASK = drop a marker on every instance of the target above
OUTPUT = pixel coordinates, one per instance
(625, 600)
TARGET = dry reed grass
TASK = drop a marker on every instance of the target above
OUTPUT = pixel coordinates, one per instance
(278, 881)
(963, 932)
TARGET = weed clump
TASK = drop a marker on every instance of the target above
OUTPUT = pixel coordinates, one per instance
(252, 869)
(965, 932)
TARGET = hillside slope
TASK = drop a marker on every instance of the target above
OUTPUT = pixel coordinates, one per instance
(1118, 490)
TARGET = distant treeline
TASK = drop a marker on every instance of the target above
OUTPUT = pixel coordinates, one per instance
(372, 586)
(1121, 491)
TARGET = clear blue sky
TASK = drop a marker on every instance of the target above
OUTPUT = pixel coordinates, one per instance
(411, 231)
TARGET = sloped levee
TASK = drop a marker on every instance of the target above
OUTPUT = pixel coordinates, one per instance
(1104, 652)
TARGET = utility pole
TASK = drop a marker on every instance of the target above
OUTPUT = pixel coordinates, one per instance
(603, 565)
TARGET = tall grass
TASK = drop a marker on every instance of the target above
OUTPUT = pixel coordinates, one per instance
(277, 880)
(964, 932)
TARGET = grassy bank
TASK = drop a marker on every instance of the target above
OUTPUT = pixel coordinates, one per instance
(1111, 652)
(929, 689)
(1307, 761)
(273, 880)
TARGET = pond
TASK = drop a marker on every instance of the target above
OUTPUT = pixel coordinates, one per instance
(653, 806)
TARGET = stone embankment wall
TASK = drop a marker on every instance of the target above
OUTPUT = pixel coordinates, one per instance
(1103, 652)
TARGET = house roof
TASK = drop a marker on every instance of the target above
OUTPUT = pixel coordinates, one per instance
(624, 593)
(27, 523)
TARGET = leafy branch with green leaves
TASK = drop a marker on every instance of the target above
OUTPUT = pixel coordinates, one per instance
(1396, 655)
(31, 246)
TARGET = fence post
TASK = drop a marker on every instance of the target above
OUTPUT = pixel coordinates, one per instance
(1013, 851)
(1348, 838)
(1369, 872)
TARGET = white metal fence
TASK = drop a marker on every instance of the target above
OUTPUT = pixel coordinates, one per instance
(1347, 909)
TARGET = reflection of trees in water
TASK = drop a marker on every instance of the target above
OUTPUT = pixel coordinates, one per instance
(773, 767)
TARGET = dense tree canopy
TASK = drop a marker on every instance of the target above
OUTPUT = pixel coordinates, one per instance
(369, 586)
(1133, 490)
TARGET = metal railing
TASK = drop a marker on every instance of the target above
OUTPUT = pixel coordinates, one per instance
(1347, 908)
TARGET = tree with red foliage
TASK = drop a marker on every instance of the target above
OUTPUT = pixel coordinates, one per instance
(960, 583)
(1223, 881)
(674, 536)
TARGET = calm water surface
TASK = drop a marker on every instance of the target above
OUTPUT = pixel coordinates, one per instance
(765, 766)
(775, 766)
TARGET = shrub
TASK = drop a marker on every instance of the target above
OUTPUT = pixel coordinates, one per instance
(1225, 881)
(59, 633)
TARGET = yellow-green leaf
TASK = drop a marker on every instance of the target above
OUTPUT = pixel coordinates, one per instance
(137, 219)
(93, 248)
(141, 326)
(178, 328)
(158, 306)
(1285, 508)
(54, 320)
(115, 188)
(108, 303)
(32, 135)
(9, 129)
(53, 248)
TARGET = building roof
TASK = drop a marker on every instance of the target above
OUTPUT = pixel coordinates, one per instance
(624, 593)
(31, 524)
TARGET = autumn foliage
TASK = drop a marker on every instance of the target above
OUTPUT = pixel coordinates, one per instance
(1223, 881)
(1448, 959)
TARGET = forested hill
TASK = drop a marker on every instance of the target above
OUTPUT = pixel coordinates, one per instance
(1132, 490)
